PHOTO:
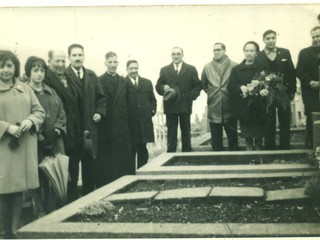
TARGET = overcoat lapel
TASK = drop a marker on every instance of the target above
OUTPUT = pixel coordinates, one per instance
(53, 80)
(173, 73)
(141, 84)
(182, 71)
(279, 56)
(121, 86)
(75, 81)
(108, 87)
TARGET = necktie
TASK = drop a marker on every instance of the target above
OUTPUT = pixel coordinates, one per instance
(136, 82)
(177, 69)
(79, 76)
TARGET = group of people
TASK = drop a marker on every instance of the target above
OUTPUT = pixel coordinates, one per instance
(224, 81)
(105, 122)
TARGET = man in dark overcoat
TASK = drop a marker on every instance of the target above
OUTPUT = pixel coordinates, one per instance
(273, 59)
(142, 105)
(57, 80)
(308, 74)
(92, 101)
(114, 150)
(185, 78)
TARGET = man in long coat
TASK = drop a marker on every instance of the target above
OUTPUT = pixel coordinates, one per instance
(92, 107)
(308, 74)
(142, 105)
(185, 78)
(273, 59)
(214, 81)
(57, 80)
(114, 150)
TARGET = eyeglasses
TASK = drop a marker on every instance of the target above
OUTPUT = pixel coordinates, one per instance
(217, 50)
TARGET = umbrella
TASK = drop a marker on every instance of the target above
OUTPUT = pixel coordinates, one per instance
(55, 168)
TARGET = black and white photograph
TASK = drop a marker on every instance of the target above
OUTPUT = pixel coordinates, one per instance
(160, 120)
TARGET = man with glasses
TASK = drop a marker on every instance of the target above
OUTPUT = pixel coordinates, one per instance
(214, 80)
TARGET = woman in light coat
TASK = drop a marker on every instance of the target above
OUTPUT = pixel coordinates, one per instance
(50, 135)
(20, 117)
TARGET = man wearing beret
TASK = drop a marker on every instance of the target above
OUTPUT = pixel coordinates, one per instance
(183, 77)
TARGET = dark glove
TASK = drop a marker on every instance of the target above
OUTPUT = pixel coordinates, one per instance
(14, 141)
(49, 142)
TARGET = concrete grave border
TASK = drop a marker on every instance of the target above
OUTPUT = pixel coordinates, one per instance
(157, 165)
(52, 225)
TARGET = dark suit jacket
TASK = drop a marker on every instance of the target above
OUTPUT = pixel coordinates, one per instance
(284, 65)
(188, 83)
(91, 99)
(307, 70)
(142, 105)
(70, 100)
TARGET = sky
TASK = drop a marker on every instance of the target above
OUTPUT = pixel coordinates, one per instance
(148, 33)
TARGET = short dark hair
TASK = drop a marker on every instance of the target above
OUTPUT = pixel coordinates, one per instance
(268, 32)
(256, 45)
(74, 45)
(131, 61)
(222, 45)
(315, 29)
(6, 55)
(110, 54)
(34, 62)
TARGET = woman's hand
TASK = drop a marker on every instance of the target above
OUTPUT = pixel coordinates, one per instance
(26, 125)
(14, 130)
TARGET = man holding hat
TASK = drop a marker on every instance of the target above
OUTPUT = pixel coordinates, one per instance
(180, 86)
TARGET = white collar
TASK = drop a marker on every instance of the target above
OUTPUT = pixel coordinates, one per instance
(76, 71)
(134, 80)
(179, 65)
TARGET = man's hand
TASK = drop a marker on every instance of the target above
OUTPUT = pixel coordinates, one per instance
(14, 131)
(96, 117)
(26, 125)
(165, 87)
(314, 84)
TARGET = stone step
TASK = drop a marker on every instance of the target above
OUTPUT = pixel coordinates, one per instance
(184, 193)
(228, 169)
(286, 194)
(238, 192)
(134, 196)
(217, 192)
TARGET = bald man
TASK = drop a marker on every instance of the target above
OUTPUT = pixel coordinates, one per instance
(56, 79)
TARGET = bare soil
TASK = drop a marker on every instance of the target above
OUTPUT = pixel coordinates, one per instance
(209, 210)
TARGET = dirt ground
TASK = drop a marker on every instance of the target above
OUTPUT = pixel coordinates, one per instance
(217, 210)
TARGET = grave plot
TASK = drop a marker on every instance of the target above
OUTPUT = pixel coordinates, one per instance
(219, 205)
(231, 162)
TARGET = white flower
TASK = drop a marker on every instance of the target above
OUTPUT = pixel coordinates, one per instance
(244, 89)
(255, 82)
(268, 78)
(264, 92)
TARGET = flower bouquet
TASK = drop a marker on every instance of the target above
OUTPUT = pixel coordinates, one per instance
(269, 86)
